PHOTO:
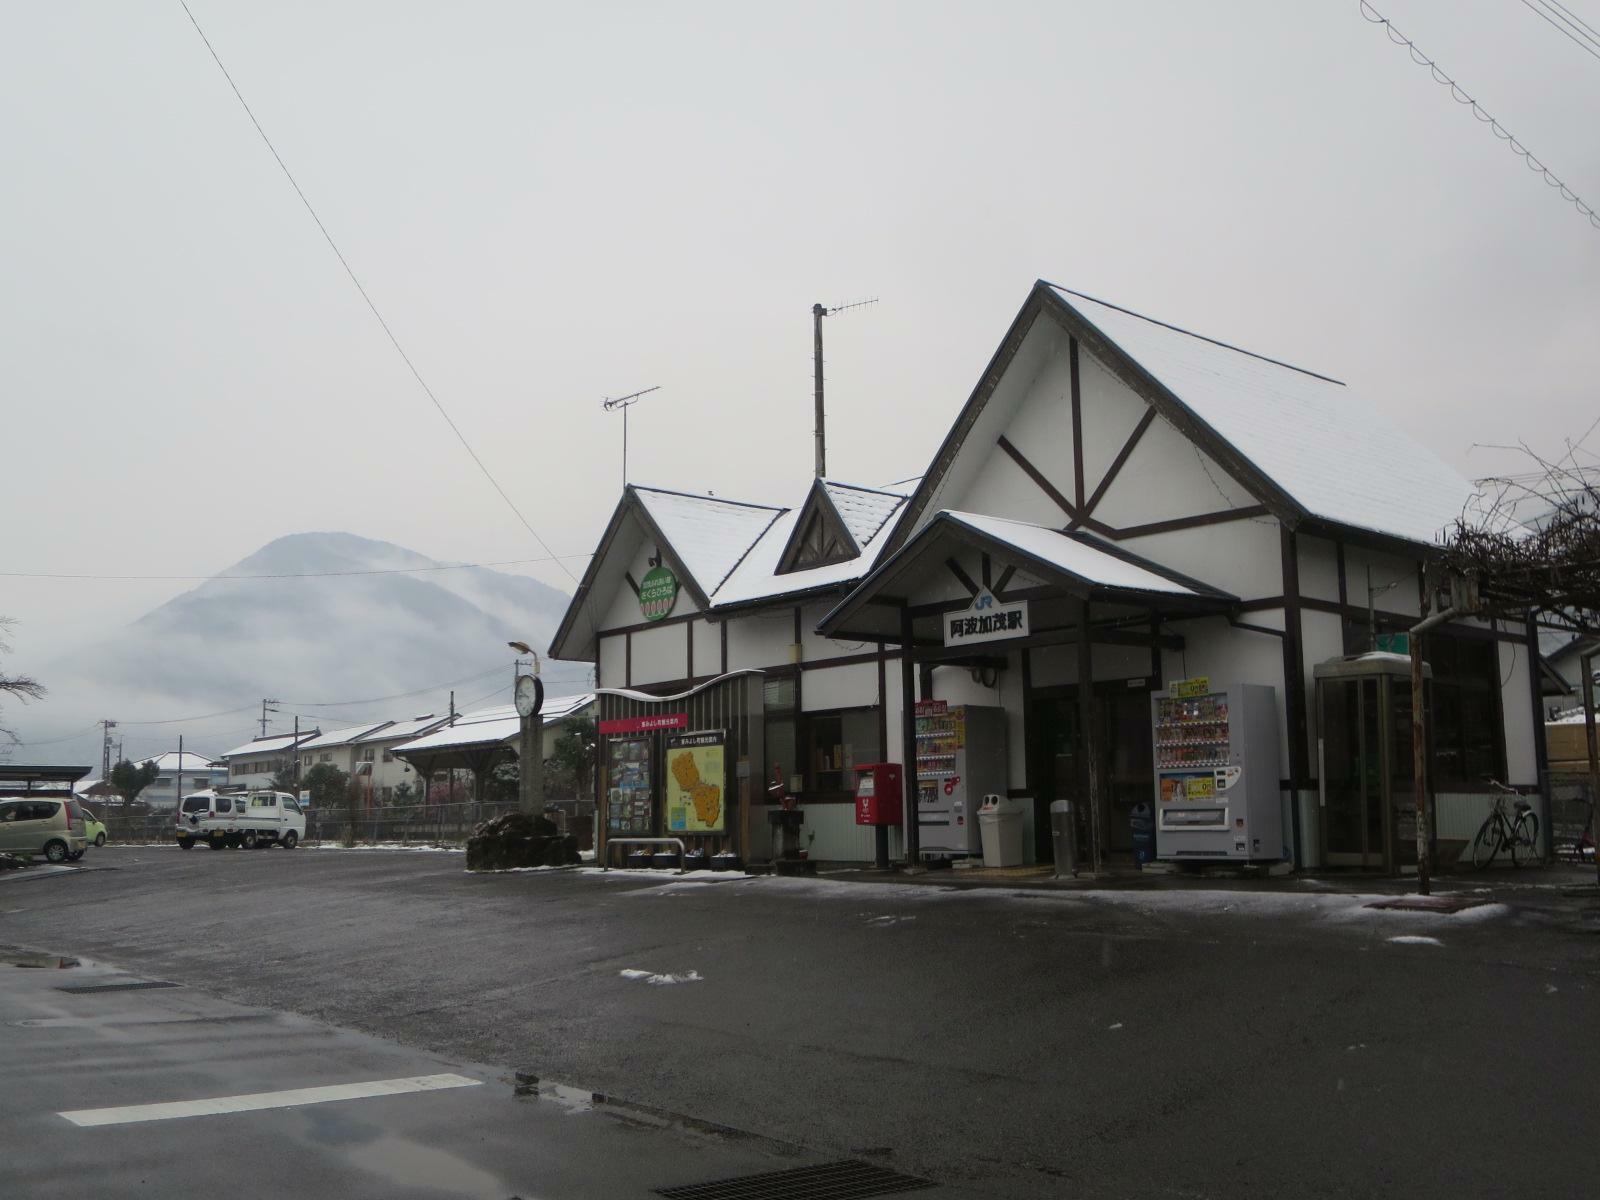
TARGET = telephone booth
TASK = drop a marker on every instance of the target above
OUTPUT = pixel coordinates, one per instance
(1367, 799)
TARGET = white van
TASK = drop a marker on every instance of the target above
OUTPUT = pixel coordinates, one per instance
(234, 819)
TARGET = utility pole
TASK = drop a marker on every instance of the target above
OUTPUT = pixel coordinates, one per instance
(818, 311)
(294, 751)
(106, 726)
(625, 403)
(264, 711)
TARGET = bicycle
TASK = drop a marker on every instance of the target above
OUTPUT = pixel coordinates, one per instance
(1501, 831)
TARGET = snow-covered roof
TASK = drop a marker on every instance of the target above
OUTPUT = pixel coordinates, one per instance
(708, 534)
(1338, 455)
(1572, 716)
(267, 745)
(863, 510)
(343, 737)
(1076, 555)
(496, 724)
(391, 730)
(191, 762)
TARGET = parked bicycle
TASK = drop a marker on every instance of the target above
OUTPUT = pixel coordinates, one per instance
(1501, 831)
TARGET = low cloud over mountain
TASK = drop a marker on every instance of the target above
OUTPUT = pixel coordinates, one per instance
(346, 632)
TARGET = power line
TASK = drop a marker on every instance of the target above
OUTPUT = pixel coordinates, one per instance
(348, 270)
(504, 562)
(1460, 97)
(1565, 27)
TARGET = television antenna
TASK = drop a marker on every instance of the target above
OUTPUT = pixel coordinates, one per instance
(611, 404)
(818, 311)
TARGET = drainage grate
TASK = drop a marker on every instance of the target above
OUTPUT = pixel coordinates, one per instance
(141, 986)
(844, 1180)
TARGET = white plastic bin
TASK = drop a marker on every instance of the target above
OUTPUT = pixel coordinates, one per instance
(1000, 827)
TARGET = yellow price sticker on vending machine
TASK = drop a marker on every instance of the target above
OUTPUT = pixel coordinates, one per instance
(1200, 685)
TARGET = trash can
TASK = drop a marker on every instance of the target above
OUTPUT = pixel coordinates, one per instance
(1000, 827)
(1064, 838)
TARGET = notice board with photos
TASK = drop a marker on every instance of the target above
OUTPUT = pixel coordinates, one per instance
(630, 801)
(696, 782)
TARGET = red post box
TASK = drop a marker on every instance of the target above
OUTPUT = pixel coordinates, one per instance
(878, 794)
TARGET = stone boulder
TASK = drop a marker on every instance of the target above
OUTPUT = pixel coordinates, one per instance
(519, 840)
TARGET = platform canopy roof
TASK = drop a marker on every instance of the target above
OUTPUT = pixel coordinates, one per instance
(484, 730)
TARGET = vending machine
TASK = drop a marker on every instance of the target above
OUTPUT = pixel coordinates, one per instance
(1217, 772)
(961, 755)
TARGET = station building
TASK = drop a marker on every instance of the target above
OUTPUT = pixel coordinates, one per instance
(1128, 528)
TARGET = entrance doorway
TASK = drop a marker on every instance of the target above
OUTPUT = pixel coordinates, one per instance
(1368, 801)
(1124, 760)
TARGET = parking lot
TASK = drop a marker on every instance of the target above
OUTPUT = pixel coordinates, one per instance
(1001, 1043)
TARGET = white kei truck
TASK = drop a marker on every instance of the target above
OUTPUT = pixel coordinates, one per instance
(244, 819)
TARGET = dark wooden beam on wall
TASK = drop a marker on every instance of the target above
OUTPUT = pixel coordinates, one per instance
(1077, 424)
(1294, 683)
(1005, 578)
(962, 577)
(1344, 597)
(908, 739)
(627, 660)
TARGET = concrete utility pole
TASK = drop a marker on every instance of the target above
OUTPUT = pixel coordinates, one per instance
(819, 311)
(264, 711)
(106, 726)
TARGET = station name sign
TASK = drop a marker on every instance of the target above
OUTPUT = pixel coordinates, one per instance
(645, 724)
(987, 620)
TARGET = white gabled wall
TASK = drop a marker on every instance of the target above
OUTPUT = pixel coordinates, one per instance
(660, 655)
(1517, 705)
(624, 608)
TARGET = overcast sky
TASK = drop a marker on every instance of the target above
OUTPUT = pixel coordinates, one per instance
(552, 203)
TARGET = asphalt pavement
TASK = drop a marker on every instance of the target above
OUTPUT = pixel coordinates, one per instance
(1001, 1042)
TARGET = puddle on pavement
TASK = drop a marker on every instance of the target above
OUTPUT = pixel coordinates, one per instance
(416, 1166)
(30, 958)
(568, 1099)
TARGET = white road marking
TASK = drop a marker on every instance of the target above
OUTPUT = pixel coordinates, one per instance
(134, 1113)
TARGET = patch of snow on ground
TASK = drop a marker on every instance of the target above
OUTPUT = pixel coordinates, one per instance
(412, 846)
(656, 980)
(1412, 939)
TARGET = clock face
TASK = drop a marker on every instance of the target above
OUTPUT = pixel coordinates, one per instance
(530, 696)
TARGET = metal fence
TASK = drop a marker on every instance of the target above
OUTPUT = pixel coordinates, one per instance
(1572, 817)
(394, 824)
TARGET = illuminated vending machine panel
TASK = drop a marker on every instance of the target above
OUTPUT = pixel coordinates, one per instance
(961, 756)
(1217, 772)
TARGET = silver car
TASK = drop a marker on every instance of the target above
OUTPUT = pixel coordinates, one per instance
(32, 825)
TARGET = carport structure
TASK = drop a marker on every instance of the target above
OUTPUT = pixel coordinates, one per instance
(478, 742)
(39, 780)
(1078, 591)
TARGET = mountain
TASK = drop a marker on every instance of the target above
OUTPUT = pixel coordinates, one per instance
(344, 633)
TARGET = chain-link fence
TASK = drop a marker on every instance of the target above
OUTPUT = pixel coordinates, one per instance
(382, 825)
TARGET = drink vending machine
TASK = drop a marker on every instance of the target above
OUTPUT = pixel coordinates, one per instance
(1217, 771)
(961, 755)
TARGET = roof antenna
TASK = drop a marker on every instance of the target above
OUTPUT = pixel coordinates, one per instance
(819, 311)
(625, 403)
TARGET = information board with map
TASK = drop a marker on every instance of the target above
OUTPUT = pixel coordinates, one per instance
(696, 782)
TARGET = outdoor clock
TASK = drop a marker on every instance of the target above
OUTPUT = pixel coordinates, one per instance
(530, 695)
